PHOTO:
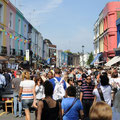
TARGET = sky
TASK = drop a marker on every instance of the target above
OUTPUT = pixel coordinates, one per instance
(68, 24)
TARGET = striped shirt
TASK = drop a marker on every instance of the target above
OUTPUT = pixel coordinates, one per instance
(87, 91)
(27, 86)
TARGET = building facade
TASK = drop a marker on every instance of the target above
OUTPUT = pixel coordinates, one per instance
(17, 35)
(107, 36)
(62, 58)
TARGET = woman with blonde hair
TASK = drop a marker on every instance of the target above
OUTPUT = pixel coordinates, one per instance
(100, 111)
(27, 93)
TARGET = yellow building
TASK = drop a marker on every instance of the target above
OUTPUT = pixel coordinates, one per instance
(3, 22)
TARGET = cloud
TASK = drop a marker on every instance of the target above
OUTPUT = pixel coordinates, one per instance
(37, 15)
(51, 5)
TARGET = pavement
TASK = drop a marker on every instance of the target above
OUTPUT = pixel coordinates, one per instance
(10, 116)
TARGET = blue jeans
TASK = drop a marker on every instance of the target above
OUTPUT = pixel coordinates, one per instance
(15, 105)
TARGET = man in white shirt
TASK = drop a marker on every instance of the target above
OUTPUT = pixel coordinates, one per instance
(2, 80)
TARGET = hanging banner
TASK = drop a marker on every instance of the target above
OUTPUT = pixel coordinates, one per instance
(27, 55)
(11, 36)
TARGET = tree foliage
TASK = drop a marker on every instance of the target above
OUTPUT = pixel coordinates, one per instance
(90, 59)
(68, 51)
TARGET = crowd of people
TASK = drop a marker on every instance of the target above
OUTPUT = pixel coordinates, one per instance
(66, 93)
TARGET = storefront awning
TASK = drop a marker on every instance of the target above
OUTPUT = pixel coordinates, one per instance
(96, 58)
(113, 61)
(2, 58)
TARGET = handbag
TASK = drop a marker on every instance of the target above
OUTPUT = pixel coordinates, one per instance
(70, 106)
(101, 94)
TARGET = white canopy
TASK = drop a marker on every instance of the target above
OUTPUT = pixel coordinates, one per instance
(113, 61)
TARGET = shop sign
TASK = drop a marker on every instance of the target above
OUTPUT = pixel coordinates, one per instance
(27, 55)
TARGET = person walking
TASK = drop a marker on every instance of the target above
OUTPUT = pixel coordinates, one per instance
(59, 85)
(16, 86)
(71, 106)
(103, 93)
(39, 93)
(48, 108)
(2, 80)
(27, 93)
(86, 96)
(2, 83)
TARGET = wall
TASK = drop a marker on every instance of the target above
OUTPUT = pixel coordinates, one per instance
(10, 42)
(110, 16)
(3, 24)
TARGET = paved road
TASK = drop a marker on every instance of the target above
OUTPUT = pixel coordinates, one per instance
(10, 116)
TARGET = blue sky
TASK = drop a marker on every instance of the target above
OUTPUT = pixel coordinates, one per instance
(67, 23)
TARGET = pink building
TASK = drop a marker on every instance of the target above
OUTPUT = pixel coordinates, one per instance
(111, 13)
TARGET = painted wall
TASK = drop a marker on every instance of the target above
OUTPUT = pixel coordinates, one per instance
(10, 43)
(18, 44)
(110, 16)
(37, 40)
(3, 23)
(25, 34)
(101, 44)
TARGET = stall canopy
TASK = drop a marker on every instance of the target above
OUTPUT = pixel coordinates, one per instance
(2, 58)
(113, 61)
(96, 58)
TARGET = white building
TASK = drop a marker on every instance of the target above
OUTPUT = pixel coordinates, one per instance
(84, 59)
(58, 57)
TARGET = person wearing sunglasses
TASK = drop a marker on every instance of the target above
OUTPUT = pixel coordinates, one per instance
(86, 96)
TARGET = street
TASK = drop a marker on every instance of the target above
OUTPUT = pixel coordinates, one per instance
(10, 116)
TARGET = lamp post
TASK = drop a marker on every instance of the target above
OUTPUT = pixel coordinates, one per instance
(83, 54)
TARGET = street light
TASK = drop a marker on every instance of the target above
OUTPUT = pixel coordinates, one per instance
(83, 55)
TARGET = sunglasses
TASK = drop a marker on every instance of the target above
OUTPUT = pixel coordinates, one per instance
(89, 79)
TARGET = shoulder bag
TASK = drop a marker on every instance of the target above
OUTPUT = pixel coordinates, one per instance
(70, 106)
(101, 94)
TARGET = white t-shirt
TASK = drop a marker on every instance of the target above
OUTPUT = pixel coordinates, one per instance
(117, 80)
(27, 86)
(39, 92)
(89, 72)
(106, 90)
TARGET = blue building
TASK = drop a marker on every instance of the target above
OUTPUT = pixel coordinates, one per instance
(117, 51)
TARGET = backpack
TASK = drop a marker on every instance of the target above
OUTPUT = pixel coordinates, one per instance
(59, 90)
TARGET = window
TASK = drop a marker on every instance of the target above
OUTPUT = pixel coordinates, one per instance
(1, 13)
(19, 26)
(25, 29)
(11, 20)
(18, 45)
